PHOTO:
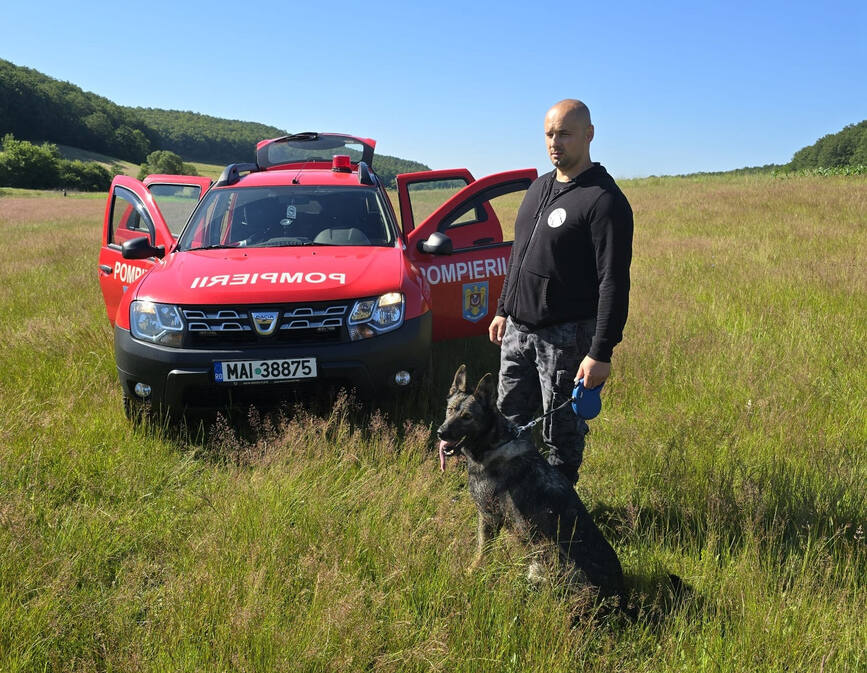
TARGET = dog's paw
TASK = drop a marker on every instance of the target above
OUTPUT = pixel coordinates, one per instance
(537, 573)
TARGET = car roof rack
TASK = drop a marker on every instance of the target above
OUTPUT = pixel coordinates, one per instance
(232, 173)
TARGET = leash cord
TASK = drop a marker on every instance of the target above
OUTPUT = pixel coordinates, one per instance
(522, 428)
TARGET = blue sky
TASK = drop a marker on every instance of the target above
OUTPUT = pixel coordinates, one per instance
(673, 87)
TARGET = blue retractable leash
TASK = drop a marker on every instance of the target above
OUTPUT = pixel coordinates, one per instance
(586, 403)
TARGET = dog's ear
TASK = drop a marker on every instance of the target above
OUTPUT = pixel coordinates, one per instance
(487, 389)
(460, 382)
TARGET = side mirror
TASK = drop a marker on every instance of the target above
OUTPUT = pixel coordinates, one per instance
(436, 244)
(141, 248)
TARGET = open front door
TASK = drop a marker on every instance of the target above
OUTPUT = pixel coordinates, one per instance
(478, 222)
(130, 212)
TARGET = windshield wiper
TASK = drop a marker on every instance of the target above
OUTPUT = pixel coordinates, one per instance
(215, 246)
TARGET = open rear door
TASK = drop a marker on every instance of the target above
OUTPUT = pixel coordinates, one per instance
(177, 196)
(479, 222)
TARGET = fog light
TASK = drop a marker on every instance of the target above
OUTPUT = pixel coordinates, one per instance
(143, 390)
(402, 378)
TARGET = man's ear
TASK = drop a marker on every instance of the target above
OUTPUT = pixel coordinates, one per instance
(460, 382)
(590, 132)
(487, 390)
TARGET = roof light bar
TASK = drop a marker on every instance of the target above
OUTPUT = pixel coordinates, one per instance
(341, 163)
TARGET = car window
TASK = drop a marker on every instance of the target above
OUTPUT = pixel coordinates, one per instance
(176, 202)
(426, 196)
(128, 219)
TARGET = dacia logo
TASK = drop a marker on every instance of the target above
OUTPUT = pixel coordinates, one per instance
(265, 322)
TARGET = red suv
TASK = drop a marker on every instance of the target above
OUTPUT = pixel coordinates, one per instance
(293, 270)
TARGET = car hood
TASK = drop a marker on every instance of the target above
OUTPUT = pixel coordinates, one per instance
(273, 275)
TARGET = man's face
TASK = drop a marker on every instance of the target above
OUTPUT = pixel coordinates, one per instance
(567, 138)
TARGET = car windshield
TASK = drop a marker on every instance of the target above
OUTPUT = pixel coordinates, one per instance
(288, 216)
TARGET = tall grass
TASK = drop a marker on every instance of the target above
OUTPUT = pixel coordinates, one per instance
(730, 451)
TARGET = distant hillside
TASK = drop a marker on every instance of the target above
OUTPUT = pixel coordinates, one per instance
(198, 137)
(38, 108)
(844, 148)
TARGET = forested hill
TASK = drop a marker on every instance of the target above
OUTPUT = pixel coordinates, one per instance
(844, 148)
(39, 108)
(198, 137)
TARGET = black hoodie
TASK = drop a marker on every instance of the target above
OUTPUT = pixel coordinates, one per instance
(571, 256)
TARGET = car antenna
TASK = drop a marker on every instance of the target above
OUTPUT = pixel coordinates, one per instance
(295, 180)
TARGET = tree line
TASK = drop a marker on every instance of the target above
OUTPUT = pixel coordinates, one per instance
(846, 148)
(23, 164)
(38, 108)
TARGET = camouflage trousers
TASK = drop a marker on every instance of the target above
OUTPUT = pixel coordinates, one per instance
(537, 369)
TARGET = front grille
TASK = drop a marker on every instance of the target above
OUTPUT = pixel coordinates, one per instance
(217, 326)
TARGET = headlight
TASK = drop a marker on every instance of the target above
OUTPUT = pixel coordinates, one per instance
(157, 323)
(370, 317)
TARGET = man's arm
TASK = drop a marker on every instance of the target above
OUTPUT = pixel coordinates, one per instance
(611, 229)
(497, 329)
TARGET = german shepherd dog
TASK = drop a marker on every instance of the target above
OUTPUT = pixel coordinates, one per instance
(513, 485)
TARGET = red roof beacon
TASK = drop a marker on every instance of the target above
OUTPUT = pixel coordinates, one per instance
(341, 164)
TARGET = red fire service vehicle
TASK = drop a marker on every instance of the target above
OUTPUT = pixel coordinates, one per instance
(293, 270)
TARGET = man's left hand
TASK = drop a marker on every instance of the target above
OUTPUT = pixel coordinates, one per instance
(593, 372)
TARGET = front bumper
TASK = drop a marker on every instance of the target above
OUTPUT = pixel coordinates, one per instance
(183, 379)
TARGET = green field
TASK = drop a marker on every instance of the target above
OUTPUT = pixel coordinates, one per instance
(732, 451)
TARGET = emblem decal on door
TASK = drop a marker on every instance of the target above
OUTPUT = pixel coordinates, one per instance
(475, 300)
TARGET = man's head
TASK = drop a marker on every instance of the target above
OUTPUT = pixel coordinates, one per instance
(568, 133)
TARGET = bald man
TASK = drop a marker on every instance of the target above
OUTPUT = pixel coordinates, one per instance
(566, 295)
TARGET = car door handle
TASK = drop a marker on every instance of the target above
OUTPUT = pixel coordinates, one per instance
(105, 268)
(484, 241)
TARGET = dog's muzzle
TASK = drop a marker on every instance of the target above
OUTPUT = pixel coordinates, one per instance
(452, 446)
(447, 448)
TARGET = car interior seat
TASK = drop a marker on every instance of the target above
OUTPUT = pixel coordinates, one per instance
(350, 236)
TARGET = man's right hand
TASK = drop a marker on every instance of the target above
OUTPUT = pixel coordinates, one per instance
(496, 329)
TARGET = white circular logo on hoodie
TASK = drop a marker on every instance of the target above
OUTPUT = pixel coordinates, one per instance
(556, 218)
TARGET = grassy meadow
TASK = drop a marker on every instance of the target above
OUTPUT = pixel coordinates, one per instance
(731, 451)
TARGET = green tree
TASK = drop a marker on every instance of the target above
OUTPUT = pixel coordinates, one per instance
(164, 161)
(86, 176)
(23, 164)
(847, 147)
(131, 143)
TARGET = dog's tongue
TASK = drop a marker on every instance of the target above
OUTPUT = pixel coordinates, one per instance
(442, 456)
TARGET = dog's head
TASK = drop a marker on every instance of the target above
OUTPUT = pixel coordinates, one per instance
(470, 416)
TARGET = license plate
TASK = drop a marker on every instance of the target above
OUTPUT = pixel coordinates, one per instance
(243, 371)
